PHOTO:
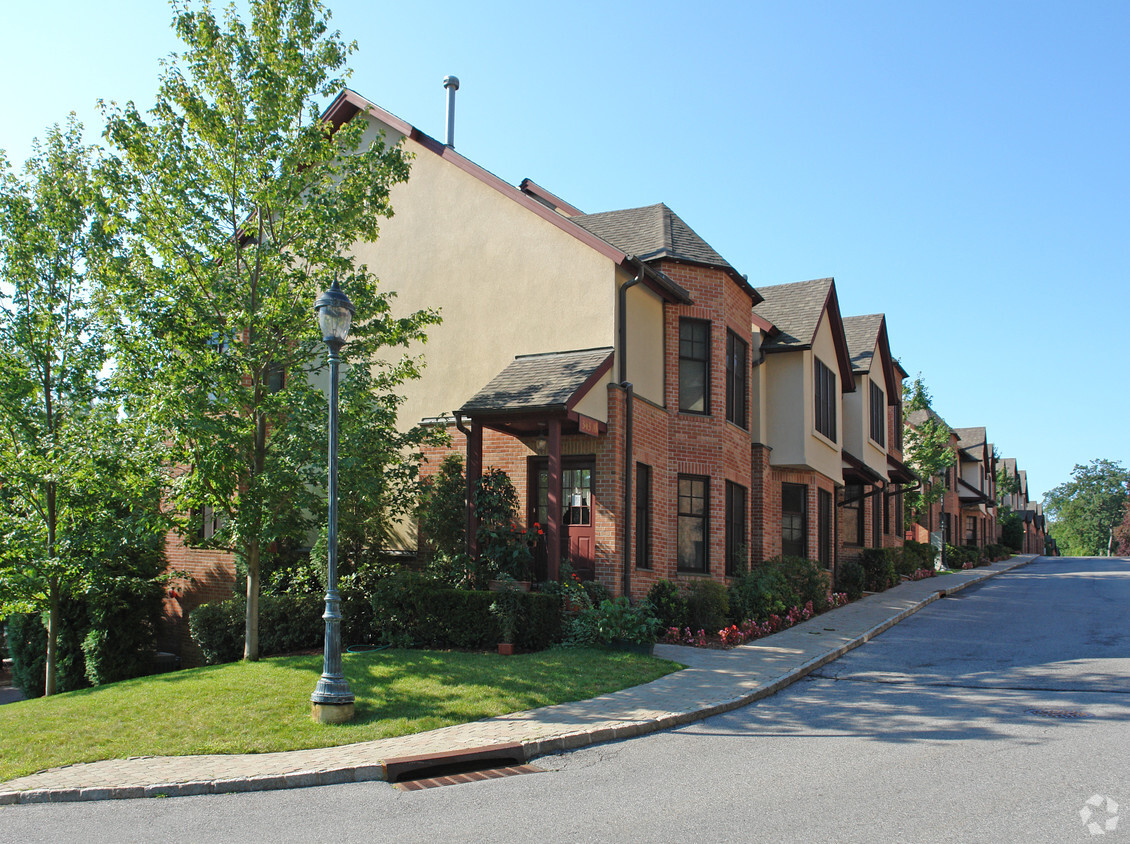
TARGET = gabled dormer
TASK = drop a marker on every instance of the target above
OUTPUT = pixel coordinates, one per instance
(867, 432)
(807, 370)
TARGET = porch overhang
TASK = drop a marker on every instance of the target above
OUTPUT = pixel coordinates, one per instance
(899, 472)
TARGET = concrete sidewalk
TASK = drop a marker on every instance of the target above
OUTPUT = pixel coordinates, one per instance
(714, 681)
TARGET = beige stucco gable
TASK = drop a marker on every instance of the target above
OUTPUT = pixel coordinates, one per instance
(505, 281)
(858, 436)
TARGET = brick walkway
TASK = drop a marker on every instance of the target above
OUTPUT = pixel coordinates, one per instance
(714, 681)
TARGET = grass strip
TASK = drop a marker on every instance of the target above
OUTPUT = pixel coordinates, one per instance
(265, 706)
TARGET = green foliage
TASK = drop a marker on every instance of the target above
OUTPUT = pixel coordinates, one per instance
(1012, 530)
(288, 623)
(236, 206)
(617, 619)
(914, 556)
(503, 547)
(1085, 512)
(708, 605)
(761, 592)
(442, 510)
(878, 569)
(669, 605)
(926, 448)
(27, 645)
(850, 579)
(124, 605)
(805, 578)
(410, 608)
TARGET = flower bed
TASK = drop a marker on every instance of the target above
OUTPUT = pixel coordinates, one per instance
(748, 630)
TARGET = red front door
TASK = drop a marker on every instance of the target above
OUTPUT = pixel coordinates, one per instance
(578, 537)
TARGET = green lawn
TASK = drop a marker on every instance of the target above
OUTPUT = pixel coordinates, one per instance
(265, 706)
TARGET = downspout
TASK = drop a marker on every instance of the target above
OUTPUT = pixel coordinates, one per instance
(629, 393)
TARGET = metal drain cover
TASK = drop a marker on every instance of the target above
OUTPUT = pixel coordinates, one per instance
(465, 776)
(1059, 713)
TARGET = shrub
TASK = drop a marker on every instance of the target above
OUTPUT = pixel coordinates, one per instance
(399, 614)
(27, 647)
(806, 578)
(997, 551)
(618, 619)
(597, 591)
(708, 605)
(217, 628)
(670, 607)
(878, 569)
(763, 591)
(502, 546)
(850, 579)
(916, 555)
(124, 608)
(442, 511)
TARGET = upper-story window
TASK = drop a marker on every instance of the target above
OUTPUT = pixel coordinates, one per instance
(694, 365)
(878, 415)
(826, 399)
(737, 380)
(898, 425)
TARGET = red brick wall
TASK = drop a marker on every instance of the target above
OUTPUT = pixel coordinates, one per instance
(211, 577)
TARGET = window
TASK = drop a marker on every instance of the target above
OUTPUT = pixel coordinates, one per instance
(876, 520)
(736, 520)
(737, 380)
(206, 522)
(887, 513)
(826, 398)
(643, 516)
(898, 426)
(853, 514)
(898, 514)
(694, 510)
(794, 520)
(970, 530)
(694, 366)
(824, 527)
(878, 415)
(276, 378)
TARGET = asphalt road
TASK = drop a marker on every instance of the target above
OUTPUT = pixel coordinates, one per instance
(941, 729)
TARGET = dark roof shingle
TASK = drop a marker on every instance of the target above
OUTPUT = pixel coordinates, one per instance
(862, 334)
(794, 309)
(538, 382)
(650, 233)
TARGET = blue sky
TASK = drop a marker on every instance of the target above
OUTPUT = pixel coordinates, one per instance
(962, 167)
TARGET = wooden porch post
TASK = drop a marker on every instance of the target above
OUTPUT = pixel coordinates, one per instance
(474, 473)
(553, 495)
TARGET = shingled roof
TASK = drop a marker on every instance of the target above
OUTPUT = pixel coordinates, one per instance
(862, 333)
(652, 232)
(655, 232)
(969, 439)
(794, 309)
(539, 382)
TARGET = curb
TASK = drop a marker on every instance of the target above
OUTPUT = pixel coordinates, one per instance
(530, 749)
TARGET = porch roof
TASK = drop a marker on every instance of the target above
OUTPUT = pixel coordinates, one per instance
(533, 388)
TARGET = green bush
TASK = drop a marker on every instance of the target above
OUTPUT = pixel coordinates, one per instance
(997, 552)
(850, 579)
(442, 511)
(27, 646)
(596, 591)
(619, 620)
(708, 605)
(878, 569)
(287, 623)
(217, 629)
(916, 555)
(806, 579)
(124, 609)
(411, 608)
(762, 591)
(670, 606)
(1012, 531)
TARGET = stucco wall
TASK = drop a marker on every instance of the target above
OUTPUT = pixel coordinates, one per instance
(506, 282)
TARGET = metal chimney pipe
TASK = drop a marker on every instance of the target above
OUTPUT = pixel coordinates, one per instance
(451, 83)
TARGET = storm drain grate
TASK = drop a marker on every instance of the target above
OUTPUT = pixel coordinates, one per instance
(1059, 713)
(466, 776)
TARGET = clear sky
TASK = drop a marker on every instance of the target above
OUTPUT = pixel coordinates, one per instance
(963, 167)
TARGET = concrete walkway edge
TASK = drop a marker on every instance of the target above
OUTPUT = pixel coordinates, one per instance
(532, 747)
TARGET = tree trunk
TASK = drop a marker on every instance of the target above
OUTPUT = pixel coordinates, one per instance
(251, 628)
(52, 634)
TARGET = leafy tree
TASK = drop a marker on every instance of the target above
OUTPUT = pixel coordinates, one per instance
(239, 205)
(927, 450)
(1122, 532)
(76, 482)
(1084, 512)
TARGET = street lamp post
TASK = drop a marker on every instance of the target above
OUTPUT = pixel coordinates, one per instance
(332, 700)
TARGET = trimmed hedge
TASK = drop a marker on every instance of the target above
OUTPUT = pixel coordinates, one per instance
(410, 608)
(669, 605)
(776, 586)
(286, 623)
(850, 579)
(708, 605)
(878, 566)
